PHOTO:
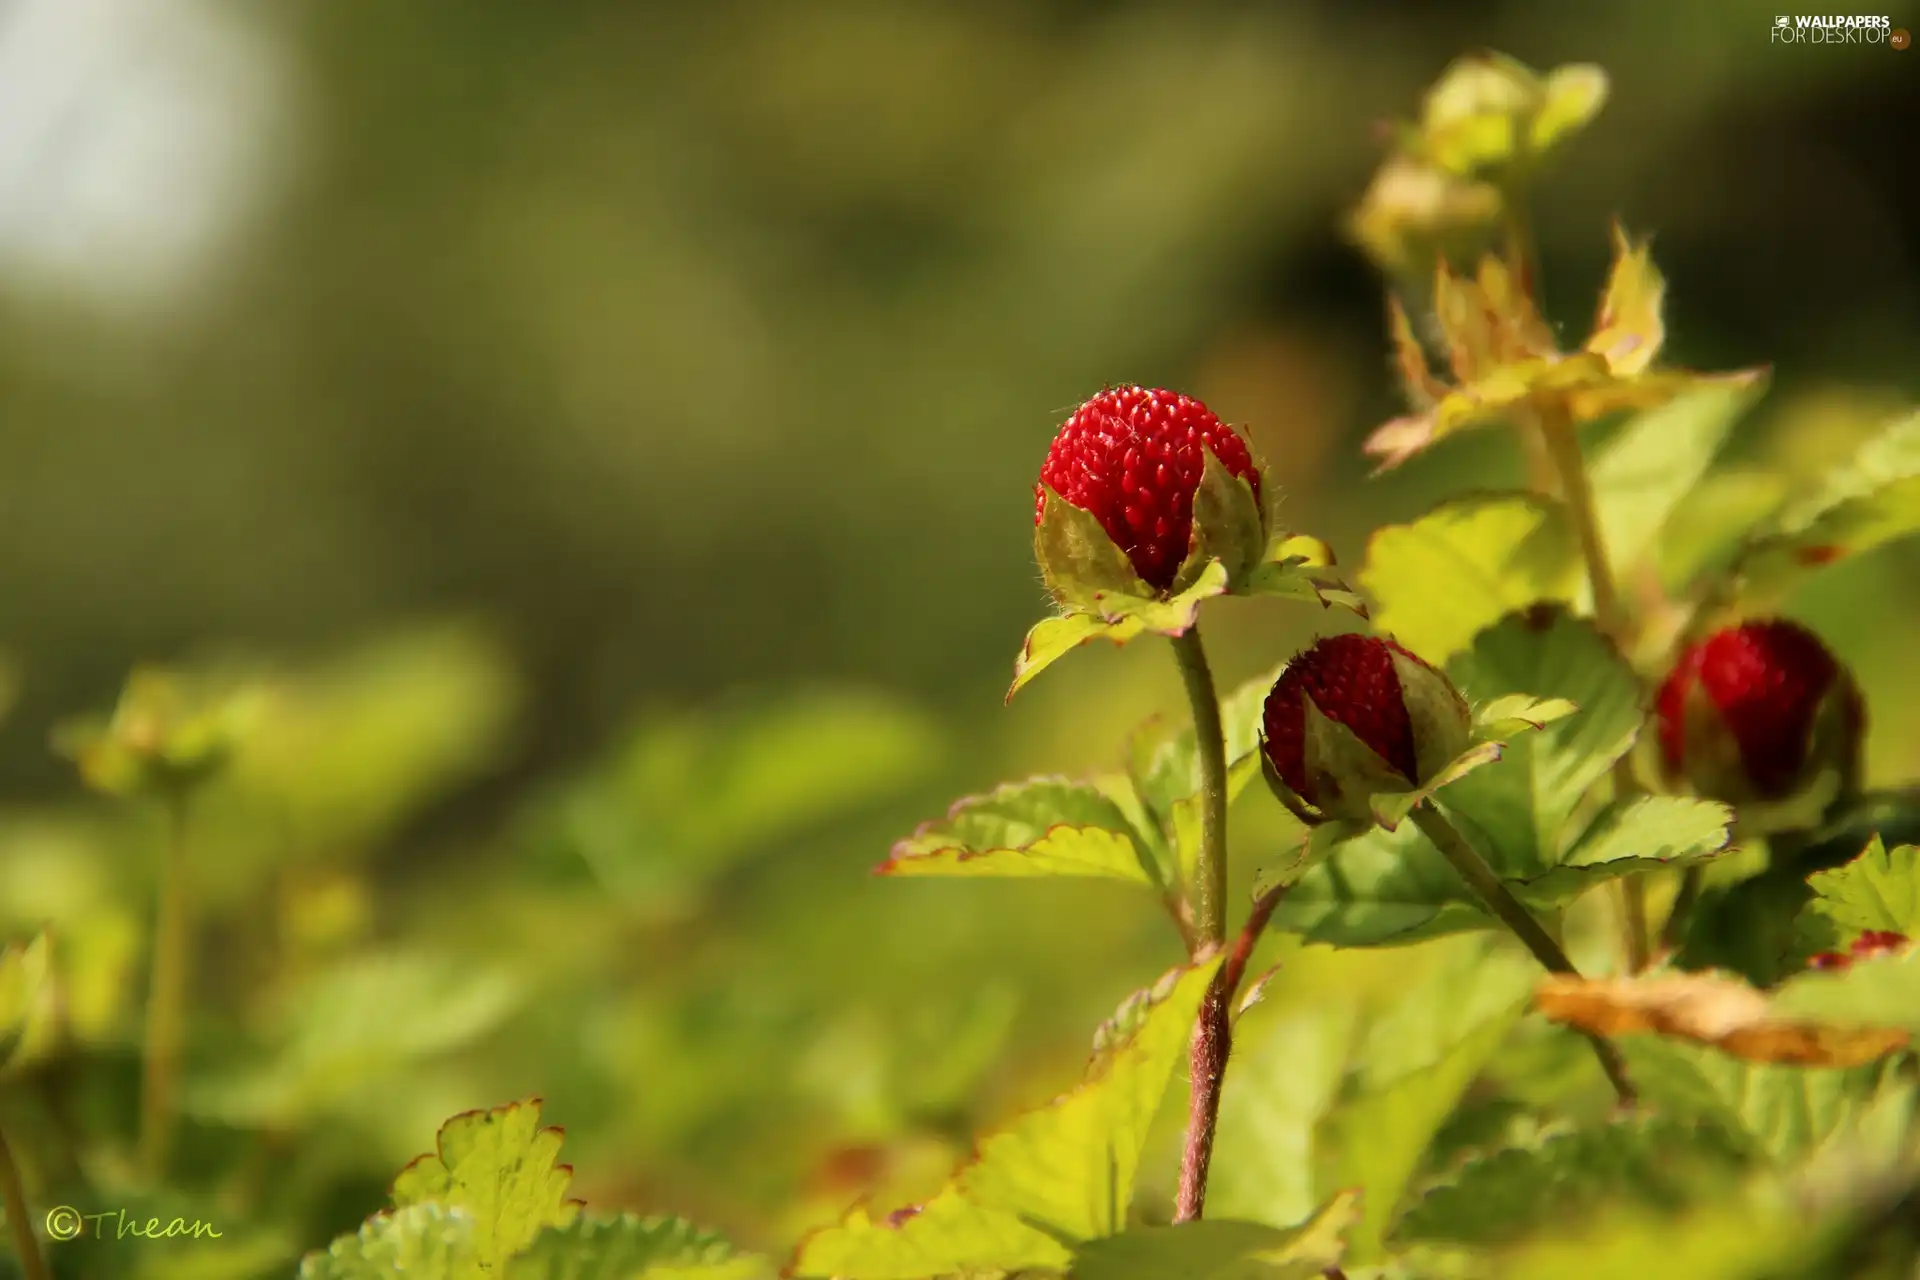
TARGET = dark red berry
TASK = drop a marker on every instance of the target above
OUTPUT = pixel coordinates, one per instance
(1765, 681)
(1351, 679)
(1133, 459)
(1828, 960)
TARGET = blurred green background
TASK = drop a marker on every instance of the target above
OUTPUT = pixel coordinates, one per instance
(614, 425)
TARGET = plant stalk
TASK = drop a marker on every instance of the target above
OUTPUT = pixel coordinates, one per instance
(1212, 1042)
(13, 1195)
(1209, 889)
(1508, 909)
(1576, 491)
(1207, 895)
(166, 998)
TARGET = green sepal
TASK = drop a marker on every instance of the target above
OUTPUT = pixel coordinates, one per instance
(1077, 559)
(1230, 525)
(1114, 618)
(1299, 567)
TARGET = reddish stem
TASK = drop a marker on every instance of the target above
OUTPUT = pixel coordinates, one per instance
(1212, 1041)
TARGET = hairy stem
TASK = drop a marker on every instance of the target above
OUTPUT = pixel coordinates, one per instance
(1209, 890)
(1509, 910)
(13, 1196)
(1212, 1041)
(166, 998)
(1207, 895)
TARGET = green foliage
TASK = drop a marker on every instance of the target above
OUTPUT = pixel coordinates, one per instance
(403, 888)
(1055, 1179)
(1528, 816)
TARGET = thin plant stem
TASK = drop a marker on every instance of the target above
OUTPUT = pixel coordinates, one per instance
(1209, 889)
(1576, 491)
(13, 1195)
(1207, 897)
(1508, 909)
(1212, 1042)
(166, 999)
(1692, 881)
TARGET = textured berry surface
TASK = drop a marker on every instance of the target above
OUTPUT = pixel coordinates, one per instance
(1766, 679)
(1133, 458)
(1352, 680)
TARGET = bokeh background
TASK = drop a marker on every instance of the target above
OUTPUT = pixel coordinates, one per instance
(617, 422)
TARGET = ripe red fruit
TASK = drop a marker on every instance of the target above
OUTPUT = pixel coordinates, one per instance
(1405, 712)
(1874, 942)
(1133, 458)
(1740, 713)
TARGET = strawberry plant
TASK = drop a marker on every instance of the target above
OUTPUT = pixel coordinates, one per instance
(1632, 946)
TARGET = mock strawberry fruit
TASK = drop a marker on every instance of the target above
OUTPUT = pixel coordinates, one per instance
(1403, 721)
(1874, 942)
(1135, 460)
(1756, 712)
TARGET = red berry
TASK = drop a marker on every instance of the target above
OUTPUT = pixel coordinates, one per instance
(1766, 681)
(1878, 942)
(1829, 960)
(1133, 459)
(1351, 679)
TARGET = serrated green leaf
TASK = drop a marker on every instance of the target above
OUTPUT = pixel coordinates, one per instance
(1656, 461)
(1222, 1249)
(1416, 1061)
(627, 1247)
(1438, 582)
(500, 1167)
(430, 1241)
(1041, 827)
(1331, 1096)
(1872, 500)
(1499, 1195)
(1643, 833)
(1055, 1178)
(1879, 890)
(1775, 1111)
(1053, 638)
(1523, 808)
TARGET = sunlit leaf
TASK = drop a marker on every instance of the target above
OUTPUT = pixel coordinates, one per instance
(1222, 1249)
(500, 1167)
(1055, 1178)
(1879, 890)
(1872, 500)
(1116, 618)
(1439, 581)
(627, 1247)
(430, 1240)
(1328, 1096)
(1629, 330)
(1042, 827)
(1655, 463)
